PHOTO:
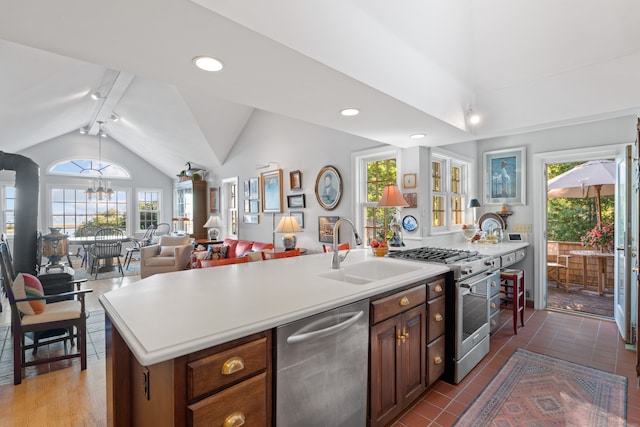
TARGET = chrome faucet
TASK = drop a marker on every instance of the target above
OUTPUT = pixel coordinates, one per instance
(336, 258)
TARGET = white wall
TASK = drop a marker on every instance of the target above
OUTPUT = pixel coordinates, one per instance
(294, 145)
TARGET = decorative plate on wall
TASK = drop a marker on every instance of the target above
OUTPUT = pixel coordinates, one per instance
(410, 223)
(490, 221)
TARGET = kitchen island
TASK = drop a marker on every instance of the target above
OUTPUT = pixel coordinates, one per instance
(180, 316)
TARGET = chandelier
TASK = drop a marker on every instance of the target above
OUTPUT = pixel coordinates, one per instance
(99, 189)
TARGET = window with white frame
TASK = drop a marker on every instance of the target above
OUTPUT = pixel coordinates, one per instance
(376, 170)
(449, 191)
(8, 209)
(72, 210)
(148, 203)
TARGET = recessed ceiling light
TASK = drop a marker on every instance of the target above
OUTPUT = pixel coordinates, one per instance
(207, 63)
(418, 135)
(350, 112)
(474, 119)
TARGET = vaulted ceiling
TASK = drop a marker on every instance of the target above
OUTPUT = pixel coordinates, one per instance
(415, 66)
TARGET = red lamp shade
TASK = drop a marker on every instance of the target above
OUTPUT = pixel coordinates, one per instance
(391, 197)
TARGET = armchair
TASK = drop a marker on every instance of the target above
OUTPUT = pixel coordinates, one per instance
(30, 316)
(170, 254)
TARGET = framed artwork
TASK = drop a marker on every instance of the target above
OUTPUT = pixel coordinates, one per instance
(299, 216)
(254, 206)
(246, 190)
(295, 180)
(409, 180)
(271, 191)
(329, 187)
(254, 188)
(325, 228)
(214, 202)
(504, 176)
(296, 201)
(411, 198)
(247, 205)
(251, 218)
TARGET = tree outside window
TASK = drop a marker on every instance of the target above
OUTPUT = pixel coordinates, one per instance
(380, 173)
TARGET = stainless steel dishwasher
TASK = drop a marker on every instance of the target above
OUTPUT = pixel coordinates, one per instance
(321, 369)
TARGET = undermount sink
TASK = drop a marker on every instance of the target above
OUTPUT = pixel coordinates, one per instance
(368, 271)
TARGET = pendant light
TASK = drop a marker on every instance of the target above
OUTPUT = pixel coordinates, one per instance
(99, 189)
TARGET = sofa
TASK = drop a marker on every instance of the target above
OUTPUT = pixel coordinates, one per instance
(229, 250)
(172, 253)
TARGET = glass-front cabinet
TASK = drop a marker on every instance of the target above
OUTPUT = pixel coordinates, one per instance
(190, 211)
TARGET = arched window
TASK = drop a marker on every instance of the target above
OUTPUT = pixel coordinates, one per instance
(91, 168)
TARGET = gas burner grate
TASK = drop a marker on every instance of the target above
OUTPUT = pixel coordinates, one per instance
(441, 255)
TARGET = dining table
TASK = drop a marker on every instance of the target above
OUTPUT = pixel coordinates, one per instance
(602, 258)
(86, 241)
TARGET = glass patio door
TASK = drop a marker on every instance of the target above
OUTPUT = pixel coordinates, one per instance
(626, 210)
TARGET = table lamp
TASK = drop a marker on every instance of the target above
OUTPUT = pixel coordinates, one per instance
(213, 224)
(392, 198)
(474, 204)
(289, 225)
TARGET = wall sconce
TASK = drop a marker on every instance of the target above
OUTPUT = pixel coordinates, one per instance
(391, 197)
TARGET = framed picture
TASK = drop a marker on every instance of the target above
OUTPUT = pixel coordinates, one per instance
(504, 176)
(214, 202)
(247, 205)
(246, 190)
(295, 180)
(328, 187)
(251, 218)
(325, 228)
(411, 198)
(254, 188)
(299, 216)
(271, 191)
(296, 201)
(409, 180)
(254, 206)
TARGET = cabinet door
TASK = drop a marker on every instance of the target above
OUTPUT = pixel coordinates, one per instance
(413, 363)
(385, 400)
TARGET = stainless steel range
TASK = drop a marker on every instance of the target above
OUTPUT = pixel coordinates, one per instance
(467, 303)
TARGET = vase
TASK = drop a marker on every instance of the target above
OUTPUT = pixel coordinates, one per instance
(55, 246)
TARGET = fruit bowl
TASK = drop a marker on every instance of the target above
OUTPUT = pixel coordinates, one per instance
(380, 251)
(468, 231)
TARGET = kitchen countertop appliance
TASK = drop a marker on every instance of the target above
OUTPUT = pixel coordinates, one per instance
(321, 363)
(467, 302)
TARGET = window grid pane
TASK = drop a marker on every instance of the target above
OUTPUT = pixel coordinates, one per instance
(148, 209)
(9, 210)
(72, 211)
(436, 176)
(438, 211)
(380, 173)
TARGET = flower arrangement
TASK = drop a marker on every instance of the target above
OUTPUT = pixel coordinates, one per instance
(599, 237)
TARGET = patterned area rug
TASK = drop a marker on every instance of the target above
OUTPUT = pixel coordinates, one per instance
(532, 389)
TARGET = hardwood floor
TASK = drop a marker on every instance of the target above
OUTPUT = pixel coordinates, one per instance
(70, 397)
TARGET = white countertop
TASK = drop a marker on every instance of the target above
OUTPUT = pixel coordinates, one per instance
(172, 314)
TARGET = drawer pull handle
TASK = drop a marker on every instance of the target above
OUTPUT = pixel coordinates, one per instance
(493, 305)
(234, 420)
(438, 317)
(233, 365)
(437, 360)
(401, 338)
(438, 288)
(404, 301)
(493, 283)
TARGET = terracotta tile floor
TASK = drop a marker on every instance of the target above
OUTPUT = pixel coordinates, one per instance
(589, 341)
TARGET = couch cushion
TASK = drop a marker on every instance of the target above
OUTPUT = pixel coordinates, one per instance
(232, 243)
(243, 247)
(255, 256)
(26, 286)
(167, 251)
(160, 261)
(216, 252)
(259, 246)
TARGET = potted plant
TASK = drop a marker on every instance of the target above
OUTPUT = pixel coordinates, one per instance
(599, 237)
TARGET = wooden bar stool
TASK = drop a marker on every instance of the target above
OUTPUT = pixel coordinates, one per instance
(512, 294)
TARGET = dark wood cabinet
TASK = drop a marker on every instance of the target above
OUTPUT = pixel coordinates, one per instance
(435, 330)
(397, 365)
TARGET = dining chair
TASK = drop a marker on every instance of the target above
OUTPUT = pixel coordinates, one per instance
(557, 262)
(31, 318)
(162, 229)
(341, 247)
(137, 244)
(107, 246)
(285, 254)
(87, 231)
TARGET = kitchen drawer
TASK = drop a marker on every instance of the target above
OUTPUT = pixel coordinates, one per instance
(435, 289)
(494, 322)
(513, 257)
(221, 369)
(243, 402)
(387, 307)
(435, 360)
(494, 304)
(435, 318)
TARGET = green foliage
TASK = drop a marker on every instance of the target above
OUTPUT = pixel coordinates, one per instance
(570, 219)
